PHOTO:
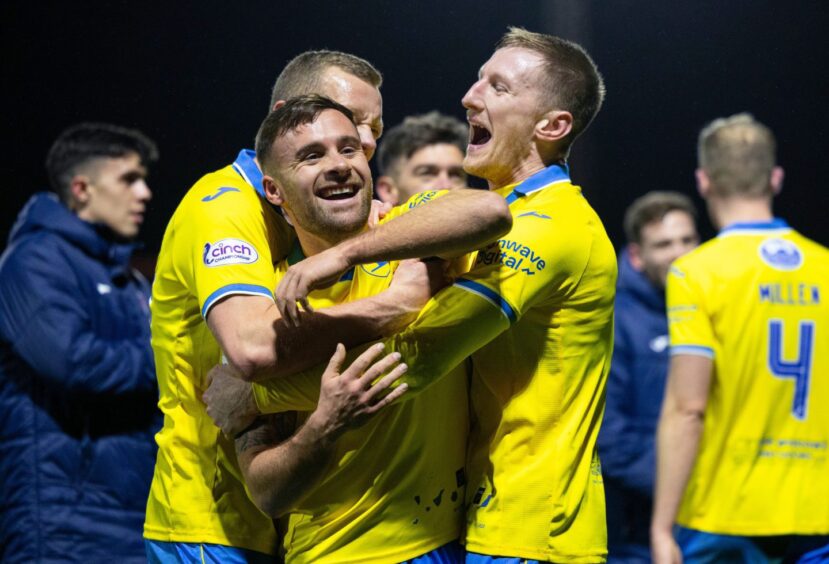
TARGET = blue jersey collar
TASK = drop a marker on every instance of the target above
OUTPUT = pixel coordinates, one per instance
(775, 223)
(552, 174)
(249, 170)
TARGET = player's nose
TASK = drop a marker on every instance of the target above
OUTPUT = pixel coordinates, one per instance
(367, 140)
(472, 100)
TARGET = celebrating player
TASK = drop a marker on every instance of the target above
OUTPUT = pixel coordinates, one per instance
(212, 298)
(535, 314)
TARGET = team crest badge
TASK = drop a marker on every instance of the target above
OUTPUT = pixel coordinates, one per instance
(781, 254)
(378, 269)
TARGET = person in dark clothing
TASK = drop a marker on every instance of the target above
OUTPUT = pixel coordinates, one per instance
(660, 227)
(77, 381)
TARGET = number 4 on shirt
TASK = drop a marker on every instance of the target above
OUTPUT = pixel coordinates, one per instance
(799, 369)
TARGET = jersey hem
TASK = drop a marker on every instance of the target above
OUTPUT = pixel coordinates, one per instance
(547, 556)
(752, 530)
(210, 538)
(401, 556)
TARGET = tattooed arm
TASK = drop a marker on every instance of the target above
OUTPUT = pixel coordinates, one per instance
(279, 469)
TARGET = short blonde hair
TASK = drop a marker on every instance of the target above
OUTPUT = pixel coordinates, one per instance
(738, 155)
(570, 79)
(303, 74)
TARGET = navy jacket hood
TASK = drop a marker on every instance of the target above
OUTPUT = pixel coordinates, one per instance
(44, 212)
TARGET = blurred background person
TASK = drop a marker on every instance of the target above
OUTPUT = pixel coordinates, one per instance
(423, 153)
(743, 438)
(660, 227)
(77, 384)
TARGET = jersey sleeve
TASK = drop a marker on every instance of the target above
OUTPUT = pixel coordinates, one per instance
(536, 262)
(415, 201)
(230, 247)
(688, 322)
(528, 267)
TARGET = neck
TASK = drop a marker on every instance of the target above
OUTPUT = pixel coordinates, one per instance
(313, 244)
(727, 211)
(517, 174)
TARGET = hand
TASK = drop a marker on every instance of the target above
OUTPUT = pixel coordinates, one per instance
(230, 401)
(379, 210)
(664, 549)
(414, 283)
(318, 271)
(348, 398)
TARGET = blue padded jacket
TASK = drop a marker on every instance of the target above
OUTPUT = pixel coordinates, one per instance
(635, 387)
(77, 392)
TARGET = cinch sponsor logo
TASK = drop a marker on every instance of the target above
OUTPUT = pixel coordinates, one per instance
(781, 254)
(229, 251)
(514, 255)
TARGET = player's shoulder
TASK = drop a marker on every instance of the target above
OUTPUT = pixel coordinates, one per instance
(219, 192)
(711, 252)
(810, 246)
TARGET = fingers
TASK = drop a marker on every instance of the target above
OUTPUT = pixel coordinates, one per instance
(390, 398)
(378, 369)
(336, 362)
(364, 361)
(291, 293)
(377, 390)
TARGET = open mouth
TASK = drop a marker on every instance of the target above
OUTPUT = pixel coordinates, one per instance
(338, 191)
(478, 135)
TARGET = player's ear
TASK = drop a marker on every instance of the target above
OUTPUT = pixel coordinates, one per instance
(554, 126)
(387, 190)
(703, 183)
(777, 176)
(278, 104)
(635, 255)
(273, 191)
(79, 189)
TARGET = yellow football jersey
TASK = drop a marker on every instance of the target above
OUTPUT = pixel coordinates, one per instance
(396, 488)
(223, 239)
(535, 314)
(539, 306)
(754, 300)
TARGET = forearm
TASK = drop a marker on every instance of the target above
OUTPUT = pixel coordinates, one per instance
(351, 323)
(678, 438)
(279, 477)
(459, 222)
(260, 344)
(451, 327)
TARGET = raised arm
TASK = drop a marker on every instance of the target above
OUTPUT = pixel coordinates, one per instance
(678, 436)
(464, 317)
(457, 222)
(258, 343)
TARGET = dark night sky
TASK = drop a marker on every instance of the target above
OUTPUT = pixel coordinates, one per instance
(196, 77)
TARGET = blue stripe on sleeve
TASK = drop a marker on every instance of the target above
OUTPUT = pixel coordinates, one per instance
(231, 289)
(490, 295)
(697, 350)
